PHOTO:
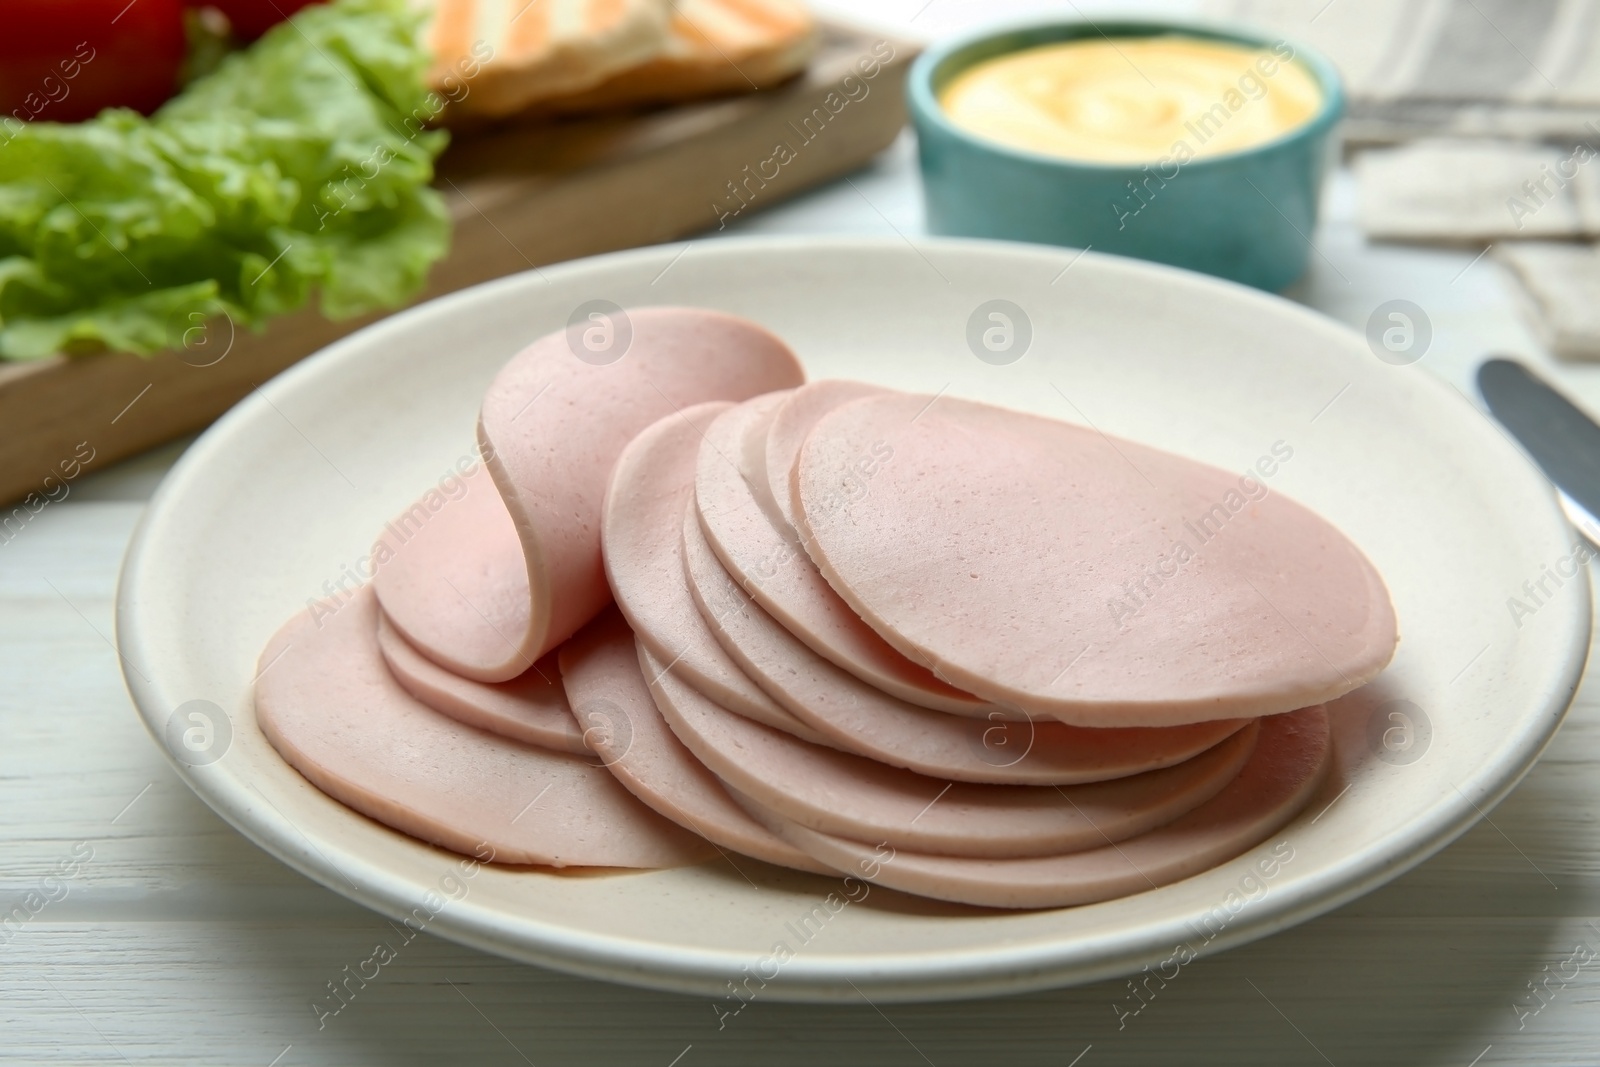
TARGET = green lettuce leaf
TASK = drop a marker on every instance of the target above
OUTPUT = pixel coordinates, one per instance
(299, 165)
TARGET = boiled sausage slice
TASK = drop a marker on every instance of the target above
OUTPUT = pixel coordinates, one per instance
(843, 794)
(453, 580)
(552, 425)
(1101, 582)
(871, 723)
(1289, 763)
(328, 704)
(641, 529)
(769, 562)
(787, 431)
(600, 669)
(531, 708)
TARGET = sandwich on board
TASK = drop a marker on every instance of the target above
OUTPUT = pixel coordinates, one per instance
(495, 58)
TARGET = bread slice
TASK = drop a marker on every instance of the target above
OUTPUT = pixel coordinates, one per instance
(500, 57)
(712, 47)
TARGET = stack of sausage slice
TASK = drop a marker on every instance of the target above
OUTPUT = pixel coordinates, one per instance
(959, 651)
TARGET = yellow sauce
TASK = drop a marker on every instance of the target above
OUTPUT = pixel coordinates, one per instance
(1134, 99)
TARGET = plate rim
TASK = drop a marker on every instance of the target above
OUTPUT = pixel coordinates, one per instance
(940, 974)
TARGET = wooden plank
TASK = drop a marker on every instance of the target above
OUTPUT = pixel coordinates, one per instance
(521, 196)
(238, 988)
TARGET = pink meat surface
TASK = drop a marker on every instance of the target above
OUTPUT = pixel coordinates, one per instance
(769, 562)
(531, 708)
(1289, 763)
(840, 793)
(871, 723)
(328, 704)
(600, 668)
(641, 530)
(1104, 583)
(487, 592)
(453, 579)
(788, 430)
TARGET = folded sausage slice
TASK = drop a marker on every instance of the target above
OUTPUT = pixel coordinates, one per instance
(1288, 765)
(328, 704)
(531, 708)
(600, 669)
(858, 718)
(840, 793)
(1100, 582)
(486, 594)
(768, 561)
(452, 578)
(641, 529)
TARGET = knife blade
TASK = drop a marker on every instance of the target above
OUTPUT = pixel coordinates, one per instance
(1562, 440)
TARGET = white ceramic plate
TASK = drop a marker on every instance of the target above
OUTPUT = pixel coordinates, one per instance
(286, 492)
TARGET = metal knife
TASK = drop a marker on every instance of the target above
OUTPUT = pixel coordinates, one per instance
(1561, 439)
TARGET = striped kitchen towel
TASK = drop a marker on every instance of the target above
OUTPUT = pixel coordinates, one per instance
(1479, 122)
(1559, 282)
(1521, 69)
(1477, 191)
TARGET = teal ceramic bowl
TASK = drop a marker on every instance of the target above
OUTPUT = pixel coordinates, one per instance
(1246, 215)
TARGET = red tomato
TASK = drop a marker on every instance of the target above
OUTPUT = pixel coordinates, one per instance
(64, 60)
(251, 18)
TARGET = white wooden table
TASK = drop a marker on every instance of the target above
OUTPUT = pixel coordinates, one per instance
(164, 937)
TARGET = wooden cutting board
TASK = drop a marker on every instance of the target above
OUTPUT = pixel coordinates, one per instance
(521, 197)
